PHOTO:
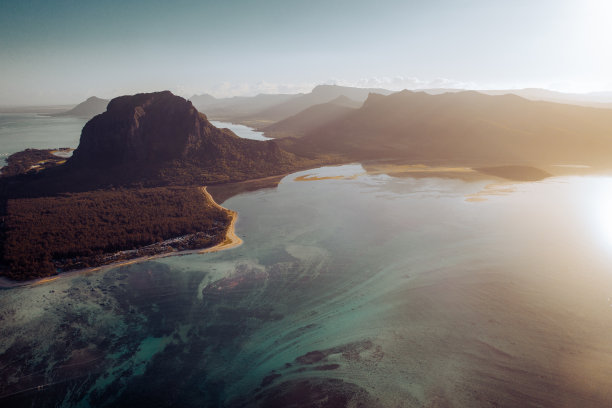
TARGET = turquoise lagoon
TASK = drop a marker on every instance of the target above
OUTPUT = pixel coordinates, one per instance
(362, 290)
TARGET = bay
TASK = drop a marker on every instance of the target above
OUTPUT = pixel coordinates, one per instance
(350, 288)
(242, 131)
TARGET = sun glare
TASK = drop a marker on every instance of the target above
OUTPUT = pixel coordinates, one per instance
(596, 17)
(600, 213)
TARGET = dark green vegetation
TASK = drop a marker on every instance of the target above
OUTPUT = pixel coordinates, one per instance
(222, 192)
(80, 230)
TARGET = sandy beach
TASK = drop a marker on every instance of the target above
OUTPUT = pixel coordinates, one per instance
(231, 239)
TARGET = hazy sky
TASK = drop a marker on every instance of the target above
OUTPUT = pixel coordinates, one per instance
(64, 51)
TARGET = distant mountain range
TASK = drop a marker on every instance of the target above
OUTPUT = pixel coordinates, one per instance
(593, 99)
(166, 133)
(332, 122)
(311, 118)
(467, 127)
(263, 110)
(239, 108)
(268, 112)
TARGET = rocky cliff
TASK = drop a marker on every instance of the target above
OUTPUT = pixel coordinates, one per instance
(156, 139)
(165, 132)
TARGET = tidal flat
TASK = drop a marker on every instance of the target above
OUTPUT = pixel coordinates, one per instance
(355, 289)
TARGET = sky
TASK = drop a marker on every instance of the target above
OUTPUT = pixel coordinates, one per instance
(61, 52)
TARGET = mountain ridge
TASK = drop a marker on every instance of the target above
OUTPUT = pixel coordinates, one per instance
(465, 127)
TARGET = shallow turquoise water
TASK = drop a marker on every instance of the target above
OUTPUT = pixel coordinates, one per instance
(366, 290)
(20, 131)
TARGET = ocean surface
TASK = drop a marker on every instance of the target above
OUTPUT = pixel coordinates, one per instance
(358, 290)
(351, 289)
(20, 131)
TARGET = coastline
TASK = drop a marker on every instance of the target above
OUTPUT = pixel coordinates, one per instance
(227, 190)
(230, 240)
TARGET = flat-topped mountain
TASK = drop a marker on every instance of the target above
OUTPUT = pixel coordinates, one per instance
(87, 109)
(151, 129)
(466, 127)
(161, 130)
(158, 139)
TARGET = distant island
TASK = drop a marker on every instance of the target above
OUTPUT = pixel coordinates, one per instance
(87, 109)
(133, 187)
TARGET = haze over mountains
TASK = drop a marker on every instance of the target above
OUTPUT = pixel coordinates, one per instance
(262, 110)
(87, 109)
(465, 127)
(311, 118)
(445, 126)
(592, 99)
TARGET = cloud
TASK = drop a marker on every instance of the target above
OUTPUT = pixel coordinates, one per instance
(397, 83)
(228, 89)
(393, 83)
